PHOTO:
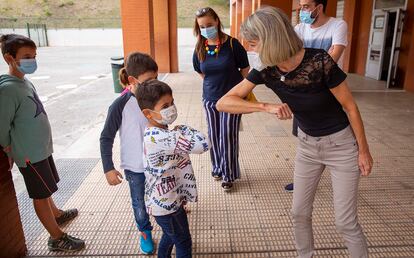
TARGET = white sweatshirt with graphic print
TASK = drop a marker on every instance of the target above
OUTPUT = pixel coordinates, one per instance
(169, 175)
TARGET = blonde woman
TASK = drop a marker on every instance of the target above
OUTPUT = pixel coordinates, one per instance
(331, 134)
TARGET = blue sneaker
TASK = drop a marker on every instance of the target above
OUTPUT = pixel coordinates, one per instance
(146, 244)
(289, 188)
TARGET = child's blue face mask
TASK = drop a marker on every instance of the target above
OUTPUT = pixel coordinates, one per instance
(209, 32)
(306, 16)
(27, 66)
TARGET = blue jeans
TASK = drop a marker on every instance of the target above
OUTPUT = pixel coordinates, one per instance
(137, 189)
(175, 232)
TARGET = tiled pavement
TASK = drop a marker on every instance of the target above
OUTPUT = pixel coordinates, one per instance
(254, 219)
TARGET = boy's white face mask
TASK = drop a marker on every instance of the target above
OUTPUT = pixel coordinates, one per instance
(168, 115)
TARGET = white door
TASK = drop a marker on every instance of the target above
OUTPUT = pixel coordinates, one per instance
(376, 44)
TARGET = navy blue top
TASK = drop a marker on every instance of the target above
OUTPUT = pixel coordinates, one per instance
(221, 72)
(307, 92)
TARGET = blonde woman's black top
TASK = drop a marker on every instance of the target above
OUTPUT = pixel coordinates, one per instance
(307, 92)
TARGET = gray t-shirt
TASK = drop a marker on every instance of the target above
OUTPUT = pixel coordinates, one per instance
(24, 123)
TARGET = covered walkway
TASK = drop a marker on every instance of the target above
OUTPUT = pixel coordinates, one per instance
(254, 219)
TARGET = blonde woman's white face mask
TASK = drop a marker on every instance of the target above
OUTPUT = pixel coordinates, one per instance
(254, 61)
(253, 54)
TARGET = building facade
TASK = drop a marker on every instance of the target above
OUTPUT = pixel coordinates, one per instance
(380, 35)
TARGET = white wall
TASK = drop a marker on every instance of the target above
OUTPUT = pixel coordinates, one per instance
(98, 37)
(14, 31)
(84, 37)
(185, 37)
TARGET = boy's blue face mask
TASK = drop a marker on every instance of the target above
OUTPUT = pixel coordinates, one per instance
(27, 66)
(306, 16)
(209, 33)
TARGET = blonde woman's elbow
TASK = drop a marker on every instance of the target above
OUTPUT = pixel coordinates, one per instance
(221, 106)
(227, 104)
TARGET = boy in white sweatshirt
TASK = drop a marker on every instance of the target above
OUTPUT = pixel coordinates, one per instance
(170, 180)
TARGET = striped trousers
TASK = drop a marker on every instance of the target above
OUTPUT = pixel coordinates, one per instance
(223, 131)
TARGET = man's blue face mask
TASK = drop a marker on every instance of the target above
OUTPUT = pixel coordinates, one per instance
(306, 16)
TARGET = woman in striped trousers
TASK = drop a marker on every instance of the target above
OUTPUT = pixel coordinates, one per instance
(222, 63)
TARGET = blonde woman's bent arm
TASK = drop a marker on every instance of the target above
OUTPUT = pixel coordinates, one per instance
(233, 102)
(245, 71)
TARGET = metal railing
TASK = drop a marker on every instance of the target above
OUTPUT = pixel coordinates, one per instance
(38, 33)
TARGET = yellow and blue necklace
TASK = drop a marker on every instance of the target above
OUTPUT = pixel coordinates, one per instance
(212, 52)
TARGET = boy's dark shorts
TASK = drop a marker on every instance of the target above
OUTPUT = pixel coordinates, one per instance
(41, 178)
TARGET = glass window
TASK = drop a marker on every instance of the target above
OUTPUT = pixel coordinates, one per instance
(382, 4)
(340, 9)
(295, 18)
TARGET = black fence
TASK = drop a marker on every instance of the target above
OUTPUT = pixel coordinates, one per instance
(38, 33)
(61, 23)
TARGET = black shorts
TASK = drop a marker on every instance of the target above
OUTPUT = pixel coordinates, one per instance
(41, 178)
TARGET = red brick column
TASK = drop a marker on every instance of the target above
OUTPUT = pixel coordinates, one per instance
(12, 242)
(173, 33)
(255, 5)
(150, 26)
(405, 74)
(331, 8)
(137, 26)
(161, 34)
(285, 5)
(241, 9)
(239, 17)
(409, 76)
(233, 22)
(357, 14)
(247, 9)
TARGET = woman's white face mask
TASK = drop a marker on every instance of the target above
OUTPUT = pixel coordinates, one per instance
(255, 62)
(254, 57)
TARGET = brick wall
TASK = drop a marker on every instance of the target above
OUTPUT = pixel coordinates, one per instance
(357, 15)
(12, 242)
(241, 9)
(150, 26)
(137, 26)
